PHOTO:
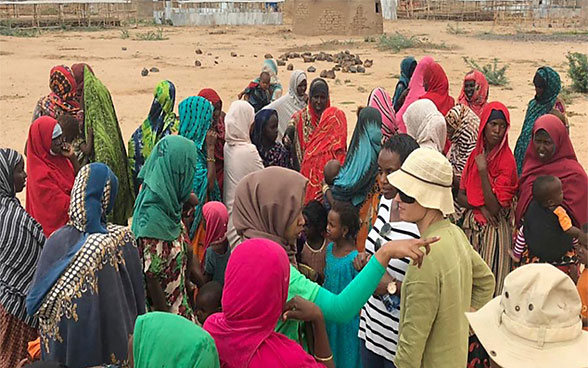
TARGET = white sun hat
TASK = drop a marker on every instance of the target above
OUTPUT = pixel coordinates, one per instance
(426, 175)
(535, 322)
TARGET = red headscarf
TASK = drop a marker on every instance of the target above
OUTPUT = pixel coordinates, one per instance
(480, 97)
(327, 142)
(50, 178)
(217, 217)
(438, 88)
(318, 85)
(255, 292)
(78, 73)
(563, 164)
(213, 97)
(502, 169)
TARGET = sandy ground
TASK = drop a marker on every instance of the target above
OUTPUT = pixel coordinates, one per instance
(25, 65)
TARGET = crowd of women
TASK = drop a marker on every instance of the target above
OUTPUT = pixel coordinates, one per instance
(260, 238)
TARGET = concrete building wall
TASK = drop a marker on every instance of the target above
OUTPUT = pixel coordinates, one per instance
(337, 17)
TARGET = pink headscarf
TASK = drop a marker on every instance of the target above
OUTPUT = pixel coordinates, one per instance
(416, 88)
(256, 288)
(381, 101)
(216, 216)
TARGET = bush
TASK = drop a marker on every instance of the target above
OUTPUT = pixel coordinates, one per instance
(124, 34)
(495, 75)
(398, 41)
(19, 32)
(152, 36)
(578, 71)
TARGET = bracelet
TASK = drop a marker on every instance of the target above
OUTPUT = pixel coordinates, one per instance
(323, 359)
(326, 187)
(211, 159)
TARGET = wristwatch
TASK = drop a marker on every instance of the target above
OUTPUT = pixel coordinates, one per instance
(392, 288)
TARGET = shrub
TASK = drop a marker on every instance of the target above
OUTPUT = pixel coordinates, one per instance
(398, 41)
(578, 71)
(495, 74)
(151, 35)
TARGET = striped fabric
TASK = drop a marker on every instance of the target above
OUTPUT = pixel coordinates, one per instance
(378, 327)
(21, 240)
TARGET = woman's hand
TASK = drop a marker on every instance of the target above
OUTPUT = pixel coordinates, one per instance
(492, 220)
(361, 260)
(67, 151)
(481, 162)
(410, 248)
(211, 137)
(302, 310)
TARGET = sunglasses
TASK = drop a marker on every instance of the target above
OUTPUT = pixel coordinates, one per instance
(405, 198)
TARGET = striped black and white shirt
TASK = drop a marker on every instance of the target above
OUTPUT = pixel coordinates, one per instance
(21, 241)
(377, 326)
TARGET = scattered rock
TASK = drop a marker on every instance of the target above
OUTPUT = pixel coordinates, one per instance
(337, 68)
(353, 69)
(330, 74)
(290, 67)
(123, 48)
(197, 63)
(209, 54)
(311, 69)
(154, 70)
(357, 61)
(347, 52)
(281, 62)
(216, 61)
(198, 52)
(360, 69)
(293, 55)
(308, 59)
(368, 63)
(323, 74)
(268, 56)
(144, 72)
(254, 56)
(216, 57)
(233, 54)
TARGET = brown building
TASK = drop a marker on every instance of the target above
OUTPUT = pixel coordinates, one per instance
(338, 17)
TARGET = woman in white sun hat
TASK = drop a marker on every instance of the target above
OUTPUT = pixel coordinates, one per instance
(535, 322)
(452, 279)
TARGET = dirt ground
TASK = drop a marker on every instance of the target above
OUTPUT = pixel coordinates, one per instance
(25, 65)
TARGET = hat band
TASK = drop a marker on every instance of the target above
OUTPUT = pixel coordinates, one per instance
(424, 180)
(541, 335)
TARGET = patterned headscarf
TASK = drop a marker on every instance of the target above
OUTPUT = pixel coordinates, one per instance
(380, 100)
(9, 158)
(63, 93)
(92, 198)
(195, 121)
(538, 106)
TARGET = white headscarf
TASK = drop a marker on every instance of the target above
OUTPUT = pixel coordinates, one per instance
(290, 103)
(240, 155)
(426, 124)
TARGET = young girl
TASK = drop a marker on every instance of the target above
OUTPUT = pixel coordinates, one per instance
(342, 228)
(314, 248)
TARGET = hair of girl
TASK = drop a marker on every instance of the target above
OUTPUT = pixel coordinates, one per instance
(348, 217)
(402, 144)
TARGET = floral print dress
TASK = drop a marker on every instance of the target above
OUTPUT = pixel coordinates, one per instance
(167, 262)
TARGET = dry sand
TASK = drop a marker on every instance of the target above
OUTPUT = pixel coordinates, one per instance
(25, 65)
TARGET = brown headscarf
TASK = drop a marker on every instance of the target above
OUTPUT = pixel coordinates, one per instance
(266, 202)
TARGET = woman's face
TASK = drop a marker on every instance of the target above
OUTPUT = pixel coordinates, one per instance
(319, 102)
(57, 145)
(301, 88)
(20, 177)
(409, 212)
(544, 145)
(494, 132)
(388, 162)
(469, 87)
(270, 131)
(218, 108)
(297, 226)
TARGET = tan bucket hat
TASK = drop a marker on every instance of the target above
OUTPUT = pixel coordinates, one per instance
(535, 322)
(426, 175)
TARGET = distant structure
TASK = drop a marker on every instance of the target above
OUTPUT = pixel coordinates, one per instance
(338, 17)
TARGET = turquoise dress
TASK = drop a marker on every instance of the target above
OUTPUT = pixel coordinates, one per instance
(343, 337)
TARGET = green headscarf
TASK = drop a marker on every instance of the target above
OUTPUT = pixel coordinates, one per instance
(538, 106)
(168, 340)
(167, 183)
(109, 147)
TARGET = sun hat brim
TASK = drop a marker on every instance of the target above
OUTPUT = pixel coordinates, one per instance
(511, 351)
(426, 194)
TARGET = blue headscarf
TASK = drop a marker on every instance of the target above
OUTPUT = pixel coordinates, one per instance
(195, 121)
(358, 174)
(261, 119)
(92, 198)
(406, 70)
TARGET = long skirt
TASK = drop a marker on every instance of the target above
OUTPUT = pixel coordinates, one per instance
(14, 338)
(492, 243)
